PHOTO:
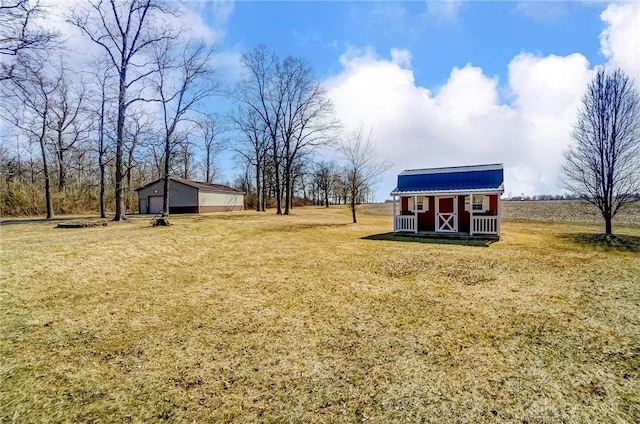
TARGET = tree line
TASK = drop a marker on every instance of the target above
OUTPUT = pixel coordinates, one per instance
(81, 137)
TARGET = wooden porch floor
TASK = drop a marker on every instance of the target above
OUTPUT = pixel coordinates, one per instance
(448, 236)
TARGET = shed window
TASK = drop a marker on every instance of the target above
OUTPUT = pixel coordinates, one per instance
(480, 203)
(477, 203)
(418, 204)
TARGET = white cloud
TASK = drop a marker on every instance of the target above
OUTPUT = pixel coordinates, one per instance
(443, 10)
(464, 123)
(620, 41)
(543, 11)
(401, 57)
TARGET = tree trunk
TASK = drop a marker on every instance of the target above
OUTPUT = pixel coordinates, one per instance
(62, 176)
(120, 213)
(101, 163)
(287, 187)
(263, 205)
(353, 210)
(278, 190)
(47, 182)
(102, 186)
(208, 165)
(607, 226)
(127, 198)
(165, 190)
(258, 188)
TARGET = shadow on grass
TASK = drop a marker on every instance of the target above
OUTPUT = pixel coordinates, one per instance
(615, 242)
(53, 220)
(292, 227)
(428, 240)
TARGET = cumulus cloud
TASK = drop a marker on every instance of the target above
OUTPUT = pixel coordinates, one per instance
(464, 122)
(620, 41)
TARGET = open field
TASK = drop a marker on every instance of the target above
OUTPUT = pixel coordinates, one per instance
(567, 211)
(250, 317)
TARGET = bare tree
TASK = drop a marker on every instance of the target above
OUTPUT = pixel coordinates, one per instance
(19, 34)
(27, 105)
(138, 129)
(295, 113)
(261, 96)
(183, 80)
(362, 169)
(102, 77)
(326, 175)
(69, 122)
(124, 30)
(210, 130)
(253, 146)
(183, 156)
(603, 163)
(306, 120)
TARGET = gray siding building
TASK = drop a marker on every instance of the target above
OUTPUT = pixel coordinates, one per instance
(189, 197)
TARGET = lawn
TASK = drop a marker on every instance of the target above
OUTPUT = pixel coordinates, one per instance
(250, 317)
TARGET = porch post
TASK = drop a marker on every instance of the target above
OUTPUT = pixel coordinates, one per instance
(499, 212)
(415, 213)
(394, 213)
(470, 214)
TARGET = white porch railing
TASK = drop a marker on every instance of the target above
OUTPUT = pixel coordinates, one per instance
(485, 225)
(404, 223)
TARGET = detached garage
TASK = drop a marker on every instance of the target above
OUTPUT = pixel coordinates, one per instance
(189, 197)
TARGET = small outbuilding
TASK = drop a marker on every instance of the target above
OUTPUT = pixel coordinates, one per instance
(187, 196)
(462, 200)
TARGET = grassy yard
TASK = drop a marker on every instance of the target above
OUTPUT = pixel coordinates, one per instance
(250, 317)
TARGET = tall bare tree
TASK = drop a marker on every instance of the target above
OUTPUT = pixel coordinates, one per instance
(125, 30)
(253, 146)
(306, 121)
(210, 130)
(184, 78)
(261, 96)
(603, 164)
(27, 105)
(69, 123)
(362, 169)
(102, 77)
(138, 129)
(294, 110)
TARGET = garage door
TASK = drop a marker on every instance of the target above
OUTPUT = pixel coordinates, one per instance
(155, 204)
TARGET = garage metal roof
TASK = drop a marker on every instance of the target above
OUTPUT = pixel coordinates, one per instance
(209, 187)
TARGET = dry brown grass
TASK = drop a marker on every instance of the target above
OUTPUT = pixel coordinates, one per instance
(257, 318)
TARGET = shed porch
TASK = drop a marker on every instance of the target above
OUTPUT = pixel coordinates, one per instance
(468, 215)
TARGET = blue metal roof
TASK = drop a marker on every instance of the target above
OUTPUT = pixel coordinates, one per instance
(471, 178)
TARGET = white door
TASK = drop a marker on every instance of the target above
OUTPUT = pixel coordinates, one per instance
(155, 204)
(447, 214)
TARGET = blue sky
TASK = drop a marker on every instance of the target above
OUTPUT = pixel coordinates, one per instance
(439, 83)
(485, 34)
(450, 83)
